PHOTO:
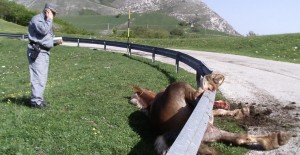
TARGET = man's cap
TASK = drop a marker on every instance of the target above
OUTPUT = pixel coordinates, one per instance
(51, 6)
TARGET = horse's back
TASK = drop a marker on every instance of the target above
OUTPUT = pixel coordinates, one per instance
(170, 110)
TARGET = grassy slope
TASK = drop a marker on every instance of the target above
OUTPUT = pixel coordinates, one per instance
(8, 27)
(156, 21)
(285, 47)
(97, 23)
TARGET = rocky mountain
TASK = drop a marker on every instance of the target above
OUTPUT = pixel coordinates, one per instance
(192, 11)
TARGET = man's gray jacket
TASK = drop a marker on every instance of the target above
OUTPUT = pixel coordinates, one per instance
(40, 30)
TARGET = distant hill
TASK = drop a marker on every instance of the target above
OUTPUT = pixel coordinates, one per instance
(192, 11)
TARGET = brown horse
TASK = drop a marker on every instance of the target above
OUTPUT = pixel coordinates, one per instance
(169, 110)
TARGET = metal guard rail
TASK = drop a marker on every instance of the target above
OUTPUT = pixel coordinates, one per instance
(191, 135)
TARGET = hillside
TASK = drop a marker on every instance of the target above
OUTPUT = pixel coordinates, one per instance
(8, 27)
(192, 11)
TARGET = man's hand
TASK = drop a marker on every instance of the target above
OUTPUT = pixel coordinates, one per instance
(60, 42)
(48, 13)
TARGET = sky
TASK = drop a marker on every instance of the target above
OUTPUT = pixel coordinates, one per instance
(263, 17)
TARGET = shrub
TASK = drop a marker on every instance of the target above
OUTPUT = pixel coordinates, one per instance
(118, 15)
(183, 23)
(125, 34)
(139, 30)
(13, 12)
(177, 32)
(115, 30)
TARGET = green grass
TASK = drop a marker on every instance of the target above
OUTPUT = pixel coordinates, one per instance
(284, 47)
(81, 120)
(88, 102)
(8, 27)
(156, 21)
(97, 23)
(88, 92)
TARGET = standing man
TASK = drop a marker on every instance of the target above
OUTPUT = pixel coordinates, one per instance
(40, 35)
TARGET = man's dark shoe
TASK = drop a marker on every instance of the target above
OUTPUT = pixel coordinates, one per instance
(39, 106)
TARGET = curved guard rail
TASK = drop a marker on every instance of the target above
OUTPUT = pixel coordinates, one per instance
(196, 64)
(191, 135)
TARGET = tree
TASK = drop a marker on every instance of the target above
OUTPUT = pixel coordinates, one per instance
(251, 33)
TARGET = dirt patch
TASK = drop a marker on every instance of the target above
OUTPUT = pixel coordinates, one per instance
(265, 119)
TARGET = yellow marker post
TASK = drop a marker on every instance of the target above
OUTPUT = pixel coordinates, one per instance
(128, 30)
(128, 34)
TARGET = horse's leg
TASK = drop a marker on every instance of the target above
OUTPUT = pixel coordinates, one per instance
(205, 149)
(267, 142)
(271, 141)
(237, 113)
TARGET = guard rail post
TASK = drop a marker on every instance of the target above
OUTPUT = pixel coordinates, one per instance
(104, 44)
(153, 54)
(78, 42)
(177, 62)
(129, 49)
(198, 78)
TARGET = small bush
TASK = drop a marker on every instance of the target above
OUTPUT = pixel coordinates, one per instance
(125, 34)
(183, 23)
(115, 30)
(87, 12)
(139, 30)
(118, 15)
(143, 32)
(177, 32)
(195, 29)
(157, 34)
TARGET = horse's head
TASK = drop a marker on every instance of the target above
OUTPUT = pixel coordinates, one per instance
(213, 81)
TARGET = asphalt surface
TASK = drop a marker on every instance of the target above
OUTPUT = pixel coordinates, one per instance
(254, 80)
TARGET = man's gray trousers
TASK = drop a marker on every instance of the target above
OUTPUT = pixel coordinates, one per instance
(38, 75)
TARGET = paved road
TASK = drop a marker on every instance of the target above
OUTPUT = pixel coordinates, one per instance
(254, 80)
(250, 80)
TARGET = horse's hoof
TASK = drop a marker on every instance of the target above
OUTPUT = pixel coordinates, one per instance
(161, 146)
(284, 137)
